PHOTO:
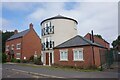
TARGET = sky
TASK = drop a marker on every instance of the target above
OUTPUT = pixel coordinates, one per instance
(101, 17)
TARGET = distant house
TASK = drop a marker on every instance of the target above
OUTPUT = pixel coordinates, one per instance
(98, 40)
(78, 51)
(23, 45)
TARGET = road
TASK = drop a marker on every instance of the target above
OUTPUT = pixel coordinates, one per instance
(17, 71)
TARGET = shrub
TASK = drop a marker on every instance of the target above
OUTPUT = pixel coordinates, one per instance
(13, 60)
(38, 61)
(18, 61)
(100, 68)
(4, 57)
(25, 61)
(31, 58)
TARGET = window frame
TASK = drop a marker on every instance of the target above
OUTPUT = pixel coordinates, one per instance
(63, 51)
(78, 54)
(7, 48)
(17, 56)
(12, 47)
(18, 48)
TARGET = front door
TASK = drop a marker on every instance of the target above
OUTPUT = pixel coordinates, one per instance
(50, 58)
(47, 58)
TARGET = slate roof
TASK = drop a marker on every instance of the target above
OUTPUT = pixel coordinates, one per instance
(59, 17)
(18, 35)
(77, 41)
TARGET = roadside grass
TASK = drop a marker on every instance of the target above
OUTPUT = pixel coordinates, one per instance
(59, 68)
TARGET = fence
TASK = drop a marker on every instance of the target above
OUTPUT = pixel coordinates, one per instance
(107, 57)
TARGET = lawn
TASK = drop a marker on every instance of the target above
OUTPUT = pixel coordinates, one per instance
(58, 68)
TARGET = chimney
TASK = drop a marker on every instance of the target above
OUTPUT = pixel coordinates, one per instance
(31, 26)
(92, 36)
(15, 31)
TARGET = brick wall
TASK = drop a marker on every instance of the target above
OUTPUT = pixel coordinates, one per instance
(87, 53)
(31, 43)
(98, 40)
(14, 42)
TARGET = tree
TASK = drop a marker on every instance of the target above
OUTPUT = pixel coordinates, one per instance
(99, 36)
(5, 36)
(4, 57)
(116, 42)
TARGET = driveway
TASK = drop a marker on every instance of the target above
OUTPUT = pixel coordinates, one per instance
(59, 73)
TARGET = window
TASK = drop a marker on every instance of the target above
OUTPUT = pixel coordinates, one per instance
(12, 47)
(18, 46)
(78, 54)
(63, 55)
(7, 48)
(48, 24)
(17, 55)
(48, 29)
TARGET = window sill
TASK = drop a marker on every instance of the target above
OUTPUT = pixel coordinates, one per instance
(18, 49)
(78, 60)
(63, 60)
(17, 58)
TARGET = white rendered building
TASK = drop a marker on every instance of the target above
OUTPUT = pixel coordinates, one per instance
(55, 30)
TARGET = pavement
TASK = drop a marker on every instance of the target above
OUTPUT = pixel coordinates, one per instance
(58, 73)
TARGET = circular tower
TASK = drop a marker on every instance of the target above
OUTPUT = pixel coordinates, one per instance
(54, 31)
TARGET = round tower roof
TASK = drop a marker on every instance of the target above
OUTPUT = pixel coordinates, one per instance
(59, 17)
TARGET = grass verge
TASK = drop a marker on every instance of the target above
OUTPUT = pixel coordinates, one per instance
(58, 68)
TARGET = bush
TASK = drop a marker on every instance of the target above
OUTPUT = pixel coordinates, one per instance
(38, 61)
(13, 60)
(31, 58)
(4, 57)
(25, 61)
(18, 61)
(100, 68)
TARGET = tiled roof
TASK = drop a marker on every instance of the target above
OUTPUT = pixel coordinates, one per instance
(59, 17)
(18, 35)
(77, 41)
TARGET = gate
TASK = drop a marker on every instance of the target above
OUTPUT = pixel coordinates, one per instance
(107, 58)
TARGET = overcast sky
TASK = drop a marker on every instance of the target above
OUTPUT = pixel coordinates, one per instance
(101, 17)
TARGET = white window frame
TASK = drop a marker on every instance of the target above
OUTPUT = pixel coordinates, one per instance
(63, 58)
(17, 56)
(48, 23)
(12, 47)
(78, 54)
(7, 48)
(18, 45)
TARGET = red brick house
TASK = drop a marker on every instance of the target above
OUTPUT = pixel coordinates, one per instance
(78, 51)
(24, 44)
(98, 40)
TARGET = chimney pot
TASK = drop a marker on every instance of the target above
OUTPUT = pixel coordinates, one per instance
(31, 26)
(16, 31)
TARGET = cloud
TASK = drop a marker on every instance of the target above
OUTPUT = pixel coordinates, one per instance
(5, 24)
(98, 16)
(59, 0)
(101, 17)
(20, 6)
